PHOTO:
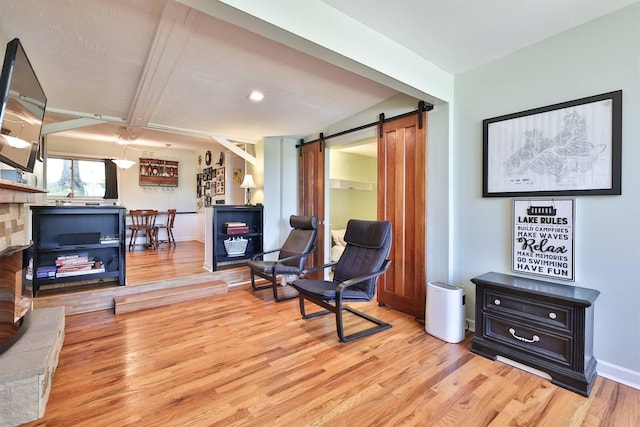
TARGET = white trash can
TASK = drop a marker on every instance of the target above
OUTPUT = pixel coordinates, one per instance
(445, 311)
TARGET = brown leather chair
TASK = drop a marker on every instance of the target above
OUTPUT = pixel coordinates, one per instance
(354, 279)
(292, 256)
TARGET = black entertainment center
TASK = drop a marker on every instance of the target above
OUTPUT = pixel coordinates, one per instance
(77, 245)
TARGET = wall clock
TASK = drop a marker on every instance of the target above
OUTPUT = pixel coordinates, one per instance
(207, 158)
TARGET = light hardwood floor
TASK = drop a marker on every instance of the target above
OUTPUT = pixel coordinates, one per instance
(241, 359)
(167, 262)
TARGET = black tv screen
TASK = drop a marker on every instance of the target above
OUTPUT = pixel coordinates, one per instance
(22, 109)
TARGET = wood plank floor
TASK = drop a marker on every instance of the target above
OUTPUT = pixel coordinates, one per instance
(166, 262)
(242, 360)
(147, 271)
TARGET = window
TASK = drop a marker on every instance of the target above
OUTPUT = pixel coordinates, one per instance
(68, 177)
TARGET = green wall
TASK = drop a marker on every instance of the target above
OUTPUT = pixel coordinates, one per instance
(597, 57)
(352, 204)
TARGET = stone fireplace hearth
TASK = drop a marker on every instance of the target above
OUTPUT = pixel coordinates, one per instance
(27, 368)
(34, 338)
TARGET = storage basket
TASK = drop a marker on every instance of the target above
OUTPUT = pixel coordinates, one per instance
(235, 246)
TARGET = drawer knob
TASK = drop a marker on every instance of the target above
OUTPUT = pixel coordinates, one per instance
(523, 339)
(552, 315)
(497, 301)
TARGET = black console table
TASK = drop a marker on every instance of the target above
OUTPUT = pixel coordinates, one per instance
(544, 325)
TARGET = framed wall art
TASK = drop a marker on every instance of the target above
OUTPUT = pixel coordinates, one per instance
(199, 185)
(158, 172)
(567, 149)
(543, 237)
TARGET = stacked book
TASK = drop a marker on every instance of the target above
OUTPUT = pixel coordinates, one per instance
(234, 228)
(109, 239)
(77, 265)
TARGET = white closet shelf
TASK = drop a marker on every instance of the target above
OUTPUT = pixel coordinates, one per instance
(344, 184)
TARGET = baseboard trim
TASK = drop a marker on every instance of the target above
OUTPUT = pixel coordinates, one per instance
(619, 374)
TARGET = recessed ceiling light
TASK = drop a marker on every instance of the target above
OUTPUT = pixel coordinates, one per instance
(256, 96)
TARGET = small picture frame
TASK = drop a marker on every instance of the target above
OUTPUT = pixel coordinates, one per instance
(219, 187)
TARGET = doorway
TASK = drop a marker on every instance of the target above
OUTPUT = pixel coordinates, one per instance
(352, 190)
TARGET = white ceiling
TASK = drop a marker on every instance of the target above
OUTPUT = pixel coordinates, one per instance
(176, 75)
(458, 35)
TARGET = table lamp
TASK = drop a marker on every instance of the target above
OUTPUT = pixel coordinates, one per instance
(248, 183)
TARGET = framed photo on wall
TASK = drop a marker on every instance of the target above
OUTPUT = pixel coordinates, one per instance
(567, 149)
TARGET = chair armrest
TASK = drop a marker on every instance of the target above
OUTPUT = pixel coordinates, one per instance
(318, 268)
(290, 258)
(261, 254)
(281, 261)
(354, 280)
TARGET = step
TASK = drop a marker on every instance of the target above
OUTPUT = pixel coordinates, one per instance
(161, 297)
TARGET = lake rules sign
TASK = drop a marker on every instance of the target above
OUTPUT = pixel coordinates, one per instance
(543, 239)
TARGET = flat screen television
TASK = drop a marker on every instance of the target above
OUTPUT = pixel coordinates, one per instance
(22, 109)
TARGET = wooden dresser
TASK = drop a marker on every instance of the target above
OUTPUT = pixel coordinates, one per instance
(544, 325)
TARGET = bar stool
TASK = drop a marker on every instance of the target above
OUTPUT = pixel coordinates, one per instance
(143, 220)
(171, 217)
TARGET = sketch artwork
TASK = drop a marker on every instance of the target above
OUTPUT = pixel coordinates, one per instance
(564, 149)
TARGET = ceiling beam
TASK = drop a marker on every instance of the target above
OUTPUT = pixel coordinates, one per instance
(235, 149)
(76, 114)
(171, 35)
(69, 124)
(157, 126)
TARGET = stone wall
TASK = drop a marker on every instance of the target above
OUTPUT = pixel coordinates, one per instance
(12, 224)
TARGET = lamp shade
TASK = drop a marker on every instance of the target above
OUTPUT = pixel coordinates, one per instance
(248, 182)
(123, 163)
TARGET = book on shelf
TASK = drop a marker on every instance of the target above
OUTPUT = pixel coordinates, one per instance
(109, 239)
(46, 272)
(76, 267)
(235, 224)
(80, 272)
(72, 259)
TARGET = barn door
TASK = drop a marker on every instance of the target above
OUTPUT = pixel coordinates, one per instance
(311, 191)
(402, 200)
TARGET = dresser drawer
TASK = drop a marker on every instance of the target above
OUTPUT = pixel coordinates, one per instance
(529, 338)
(538, 311)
